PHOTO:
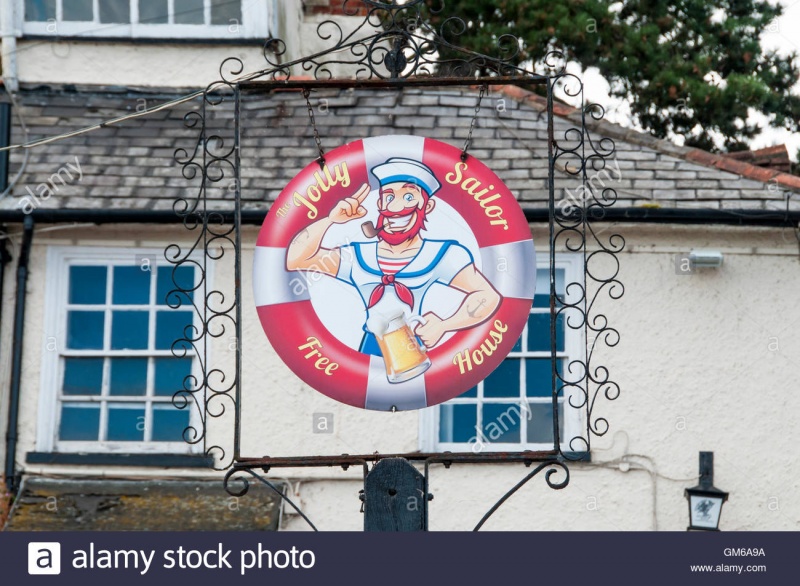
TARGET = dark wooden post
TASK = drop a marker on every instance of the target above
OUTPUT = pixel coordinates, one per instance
(395, 497)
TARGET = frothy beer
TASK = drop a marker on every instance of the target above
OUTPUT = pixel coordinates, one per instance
(403, 355)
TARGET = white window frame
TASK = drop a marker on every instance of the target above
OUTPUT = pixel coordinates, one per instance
(255, 24)
(573, 420)
(59, 260)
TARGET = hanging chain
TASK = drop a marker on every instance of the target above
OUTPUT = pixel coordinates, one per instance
(321, 159)
(468, 142)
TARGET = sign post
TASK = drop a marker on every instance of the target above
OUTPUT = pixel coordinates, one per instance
(395, 497)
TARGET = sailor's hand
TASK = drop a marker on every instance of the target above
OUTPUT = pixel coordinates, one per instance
(431, 331)
(350, 208)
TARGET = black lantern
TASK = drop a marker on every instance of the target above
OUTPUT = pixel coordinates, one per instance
(705, 500)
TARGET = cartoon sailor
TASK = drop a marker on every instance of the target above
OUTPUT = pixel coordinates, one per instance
(398, 268)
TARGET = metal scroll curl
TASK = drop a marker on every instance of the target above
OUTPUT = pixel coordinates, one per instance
(395, 40)
(210, 168)
(584, 159)
(390, 41)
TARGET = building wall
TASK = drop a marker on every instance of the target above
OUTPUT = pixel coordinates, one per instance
(704, 363)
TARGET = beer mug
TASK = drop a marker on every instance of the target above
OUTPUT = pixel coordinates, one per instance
(403, 354)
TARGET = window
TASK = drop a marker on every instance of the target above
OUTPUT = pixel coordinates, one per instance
(109, 374)
(198, 19)
(512, 409)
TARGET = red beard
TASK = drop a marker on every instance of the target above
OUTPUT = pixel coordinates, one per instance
(395, 238)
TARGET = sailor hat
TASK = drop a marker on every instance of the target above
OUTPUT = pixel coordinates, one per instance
(408, 171)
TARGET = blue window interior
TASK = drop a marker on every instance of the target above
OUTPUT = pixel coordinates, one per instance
(78, 10)
(225, 11)
(40, 10)
(169, 423)
(128, 376)
(153, 11)
(539, 373)
(87, 285)
(131, 286)
(170, 374)
(79, 422)
(125, 422)
(170, 326)
(184, 278)
(504, 380)
(539, 332)
(540, 422)
(189, 11)
(83, 376)
(115, 11)
(502, 422)
(129, 330)
(85, 330)
(458, 423)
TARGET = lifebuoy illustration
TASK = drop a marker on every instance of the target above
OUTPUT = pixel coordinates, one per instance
(396, 275)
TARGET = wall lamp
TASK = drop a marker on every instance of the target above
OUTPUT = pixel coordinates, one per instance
(705, 500)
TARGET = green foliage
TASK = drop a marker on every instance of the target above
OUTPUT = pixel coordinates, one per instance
(689, 68)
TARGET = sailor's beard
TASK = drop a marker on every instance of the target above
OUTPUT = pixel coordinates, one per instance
(395, 238)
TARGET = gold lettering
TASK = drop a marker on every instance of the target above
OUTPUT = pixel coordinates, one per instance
(465, 359)
(322, 363)
(322, 184)
(472, 186)
(451, 178)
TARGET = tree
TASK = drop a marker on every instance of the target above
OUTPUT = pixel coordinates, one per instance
(688, 68)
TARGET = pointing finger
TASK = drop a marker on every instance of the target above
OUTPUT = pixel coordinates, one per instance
(362, 192)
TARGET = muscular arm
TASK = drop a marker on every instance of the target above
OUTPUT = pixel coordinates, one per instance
(481, 302)
(305, 252)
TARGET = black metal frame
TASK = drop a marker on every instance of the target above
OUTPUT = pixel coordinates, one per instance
(393, 47)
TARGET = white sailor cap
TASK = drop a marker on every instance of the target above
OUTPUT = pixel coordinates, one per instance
(408, 171)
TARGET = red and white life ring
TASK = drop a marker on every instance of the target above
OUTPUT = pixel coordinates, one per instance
(301, 311)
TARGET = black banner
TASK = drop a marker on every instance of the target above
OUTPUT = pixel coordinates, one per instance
(400, 558)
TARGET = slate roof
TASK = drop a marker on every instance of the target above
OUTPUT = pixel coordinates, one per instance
(131, 165)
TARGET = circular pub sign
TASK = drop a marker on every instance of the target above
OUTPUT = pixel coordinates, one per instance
(396, 276)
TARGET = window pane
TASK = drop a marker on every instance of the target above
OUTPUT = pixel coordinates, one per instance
(224, 11)
(184, 277)
(85, 330)
(170, 373)
(129, 330)
(170, 326)
(79, 422)
(83, 376)
(77, 10)
(504, 380)
(540, 422)
(131, 286)
(153, 11)
(169, 423)
(517, 345)
(39, 10)
(128, 376)
(189, 12)
(539, 332)
(87, 284)
(538, 376)
(125, 422)
(501, 422)
(457, 423)
(116, 11)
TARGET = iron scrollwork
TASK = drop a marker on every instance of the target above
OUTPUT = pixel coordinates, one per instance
(391, 42)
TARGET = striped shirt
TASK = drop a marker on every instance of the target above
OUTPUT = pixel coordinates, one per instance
(390, 266)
